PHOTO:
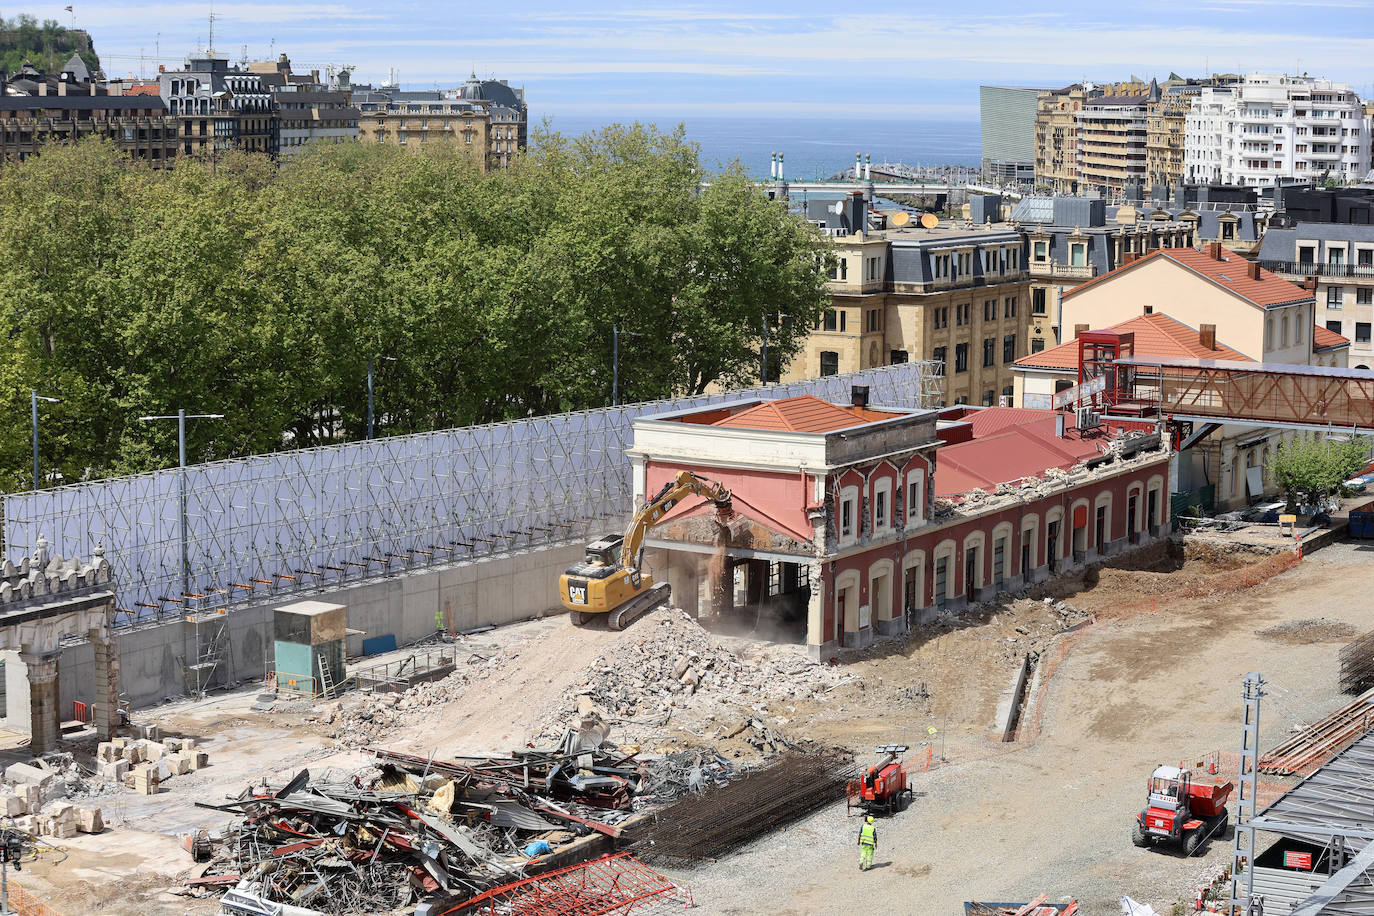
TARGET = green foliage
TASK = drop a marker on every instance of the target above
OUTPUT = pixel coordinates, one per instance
(1309, 468)
(47, 45)
(261, 292)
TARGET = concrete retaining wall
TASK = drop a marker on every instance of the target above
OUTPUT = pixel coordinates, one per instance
(493, 590)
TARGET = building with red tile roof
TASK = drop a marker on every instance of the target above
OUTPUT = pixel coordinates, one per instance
(853, 521)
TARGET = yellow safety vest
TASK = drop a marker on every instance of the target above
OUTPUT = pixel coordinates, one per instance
(868, 836)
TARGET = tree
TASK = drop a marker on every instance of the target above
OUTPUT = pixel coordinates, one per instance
(1309, 468)
(261, 291)
(48, 46)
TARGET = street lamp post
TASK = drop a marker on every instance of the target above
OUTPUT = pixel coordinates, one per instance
(181, 416)
(764, 376)
(36, 397)
(389, 359)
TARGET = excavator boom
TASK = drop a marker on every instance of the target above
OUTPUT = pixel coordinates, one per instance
(610, 580)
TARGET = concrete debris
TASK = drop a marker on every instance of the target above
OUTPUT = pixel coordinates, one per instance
(668, 663)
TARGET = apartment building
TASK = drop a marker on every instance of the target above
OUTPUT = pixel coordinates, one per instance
(509, 115)
(1056, 137)
(1338, 261)
(311, 110)
(220, 107)
(38, 108)
(1072, 240)
(1272, 128)
(954, 294)
(416, 118)
(1112, 137)
(1166, 125)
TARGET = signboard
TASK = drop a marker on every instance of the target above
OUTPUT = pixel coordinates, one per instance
(1080, 392)
(1299, 860)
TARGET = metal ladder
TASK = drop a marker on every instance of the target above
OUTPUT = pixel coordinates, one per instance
(326, 678)
(209, 654)
(1243, 850)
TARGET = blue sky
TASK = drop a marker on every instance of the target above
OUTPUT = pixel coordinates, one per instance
(804, 58)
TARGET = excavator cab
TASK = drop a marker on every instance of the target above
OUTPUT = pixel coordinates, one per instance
(605, 550)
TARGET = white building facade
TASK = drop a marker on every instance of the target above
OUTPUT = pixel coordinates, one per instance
(1273, 129)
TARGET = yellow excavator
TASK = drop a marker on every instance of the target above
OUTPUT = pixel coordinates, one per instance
(610, 581)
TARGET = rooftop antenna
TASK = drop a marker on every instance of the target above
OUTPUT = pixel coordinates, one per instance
(212, 29)
(243, 56)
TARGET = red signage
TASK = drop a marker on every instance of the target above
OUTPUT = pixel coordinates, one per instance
(1299, 860)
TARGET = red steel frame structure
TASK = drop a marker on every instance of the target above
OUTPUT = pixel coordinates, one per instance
(1254, 393)
(620, 885)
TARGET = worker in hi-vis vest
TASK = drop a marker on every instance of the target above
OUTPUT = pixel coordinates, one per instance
(868, 841)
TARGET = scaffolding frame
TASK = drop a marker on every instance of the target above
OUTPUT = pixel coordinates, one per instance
(282, 523)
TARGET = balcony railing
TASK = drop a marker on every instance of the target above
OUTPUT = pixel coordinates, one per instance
(1315, 269)
(1068, 271)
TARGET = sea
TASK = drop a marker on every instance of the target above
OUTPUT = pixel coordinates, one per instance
(812, 148)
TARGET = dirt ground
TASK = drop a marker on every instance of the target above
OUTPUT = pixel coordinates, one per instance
(1156, 678)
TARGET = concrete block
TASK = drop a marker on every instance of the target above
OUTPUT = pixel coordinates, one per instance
(188, 744)
(32, 795)
(133, 753)
(163, 768)
(105, 751)
(13, 805)
(177, 764)
(28, 823)
(199, 760)
(22, 773)
(62, 829)
(149, 732)
(89, 820)
(114, 770)
(172, 744)
(152, 750)
(53, 790)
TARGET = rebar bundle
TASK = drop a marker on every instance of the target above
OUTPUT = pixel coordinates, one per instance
(1357, 665)
(720, 819)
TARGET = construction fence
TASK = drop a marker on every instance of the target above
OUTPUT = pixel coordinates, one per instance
(236, 530)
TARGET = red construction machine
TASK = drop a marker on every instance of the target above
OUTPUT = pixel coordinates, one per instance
(882, 789)
(1179, 810)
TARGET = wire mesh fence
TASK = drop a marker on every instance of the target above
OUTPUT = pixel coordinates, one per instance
(230, 531)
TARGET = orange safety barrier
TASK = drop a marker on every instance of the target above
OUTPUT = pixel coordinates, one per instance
(25, 904)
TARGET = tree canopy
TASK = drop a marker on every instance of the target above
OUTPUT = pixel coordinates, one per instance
(47, 45)
(261, 292)
(1309, 468)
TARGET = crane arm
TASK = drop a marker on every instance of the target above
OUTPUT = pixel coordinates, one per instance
(674, 491)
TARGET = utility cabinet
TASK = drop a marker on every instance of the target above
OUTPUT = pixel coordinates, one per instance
(309, 647)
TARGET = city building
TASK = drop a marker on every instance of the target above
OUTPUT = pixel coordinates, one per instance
(1007, 118)
(311, 110)
(487, 118)
(1269, 129)
(1226, 298)
(1112, 139)
(509, 116)
(952, 294)
(1166, 127)
(855, 521)
(1071, 240)
(1338, 260)
(1227, 468)
(221, 107)
(37, 109)
(1056, 137)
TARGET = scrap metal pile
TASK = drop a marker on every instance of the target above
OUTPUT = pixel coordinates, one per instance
(412, 830)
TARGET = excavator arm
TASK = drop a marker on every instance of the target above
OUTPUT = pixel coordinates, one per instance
(674, 491)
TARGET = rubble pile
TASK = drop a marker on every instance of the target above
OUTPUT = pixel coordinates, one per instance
(670, 663)
(365, 718)
(48, 797)
(144, 764)
(413, 831)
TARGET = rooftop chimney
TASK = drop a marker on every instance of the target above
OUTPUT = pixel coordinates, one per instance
(1310, 284)
(1252, 270)
(1129, 257)
(858, 395)
(1207, 336)
(1214, 250)
(1079, 329)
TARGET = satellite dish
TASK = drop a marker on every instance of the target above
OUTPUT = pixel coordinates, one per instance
(900, 218)
(929, 220)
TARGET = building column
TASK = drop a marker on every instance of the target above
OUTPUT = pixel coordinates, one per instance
(105, 701)
(45, 723)
(815, 605)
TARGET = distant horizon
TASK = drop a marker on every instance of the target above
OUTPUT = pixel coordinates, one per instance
(740, 59)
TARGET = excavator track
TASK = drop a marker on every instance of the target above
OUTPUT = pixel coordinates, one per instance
(631, 610)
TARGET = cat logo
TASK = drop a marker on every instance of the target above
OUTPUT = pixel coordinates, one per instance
(577, 594)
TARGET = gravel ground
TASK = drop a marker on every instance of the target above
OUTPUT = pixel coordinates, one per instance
(1055, 817)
